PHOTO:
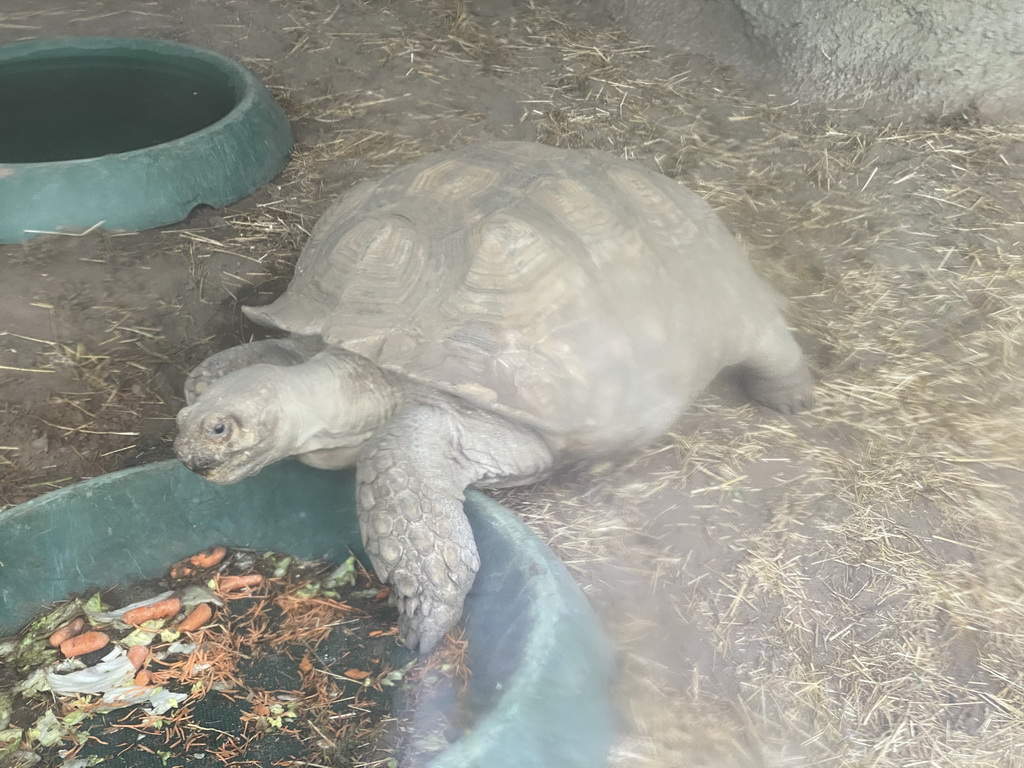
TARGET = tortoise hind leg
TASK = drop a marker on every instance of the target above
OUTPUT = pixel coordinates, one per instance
(290, 351)
(776, 373)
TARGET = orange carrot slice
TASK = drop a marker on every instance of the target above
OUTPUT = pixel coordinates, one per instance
(162, 610)
(87, 642)
(69, 630)
(199, 616)
(208, 557)
(182, 570)
(137, 655)
(236, 583)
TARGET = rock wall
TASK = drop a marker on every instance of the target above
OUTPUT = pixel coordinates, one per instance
(909, 56)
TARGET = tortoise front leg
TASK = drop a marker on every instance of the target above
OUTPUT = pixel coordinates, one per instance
(290, 351)
(411, 483)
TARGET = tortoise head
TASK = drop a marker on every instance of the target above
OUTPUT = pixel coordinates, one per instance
(236, 427)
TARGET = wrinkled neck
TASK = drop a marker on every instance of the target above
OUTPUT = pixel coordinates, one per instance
(334, 399)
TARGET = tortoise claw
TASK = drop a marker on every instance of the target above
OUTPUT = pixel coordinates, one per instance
(421, 629)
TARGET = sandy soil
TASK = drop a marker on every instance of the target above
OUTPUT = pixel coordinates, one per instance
(841, 588)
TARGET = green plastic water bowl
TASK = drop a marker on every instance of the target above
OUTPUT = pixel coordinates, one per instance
(540, 664)
(128, 134)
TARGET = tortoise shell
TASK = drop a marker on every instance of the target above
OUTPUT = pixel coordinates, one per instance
(573, 291)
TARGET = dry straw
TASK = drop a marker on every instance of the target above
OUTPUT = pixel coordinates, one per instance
(842, 588)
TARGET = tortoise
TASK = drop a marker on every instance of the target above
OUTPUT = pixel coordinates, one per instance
(479, 318)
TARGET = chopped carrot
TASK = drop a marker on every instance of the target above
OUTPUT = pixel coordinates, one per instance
(137, 655)
(143, 677)
(87, 642)
(69, 630)
(199, 616)
(236, 583)
(182, 570)
(162, 610)
(382, 594)
(208, 557)
(356, 674)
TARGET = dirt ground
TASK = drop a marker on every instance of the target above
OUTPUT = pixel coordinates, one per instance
(840, 588)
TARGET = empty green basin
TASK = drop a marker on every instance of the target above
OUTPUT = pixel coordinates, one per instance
(128, 134)
(540, 665)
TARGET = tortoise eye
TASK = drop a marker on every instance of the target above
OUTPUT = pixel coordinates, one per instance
(220, 429)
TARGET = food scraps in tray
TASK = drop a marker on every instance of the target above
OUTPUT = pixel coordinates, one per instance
(235, 657)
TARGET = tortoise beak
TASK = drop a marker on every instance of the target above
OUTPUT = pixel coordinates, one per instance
(201, 465)
(193, 456)
(193, 460)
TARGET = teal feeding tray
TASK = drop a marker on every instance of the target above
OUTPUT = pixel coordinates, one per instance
(540, 665)
(128, 134)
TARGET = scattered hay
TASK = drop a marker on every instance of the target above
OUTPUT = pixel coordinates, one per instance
(837, 589)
